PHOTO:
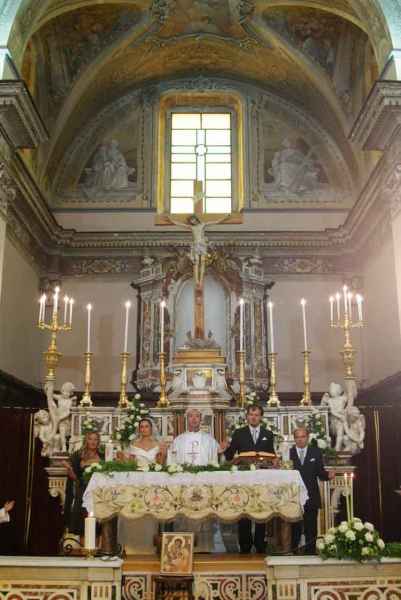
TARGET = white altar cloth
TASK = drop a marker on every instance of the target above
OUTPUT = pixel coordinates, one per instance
(260, 494)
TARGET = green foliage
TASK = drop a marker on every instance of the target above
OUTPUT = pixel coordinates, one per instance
(393, 550)
(352, 540)
(317, 433)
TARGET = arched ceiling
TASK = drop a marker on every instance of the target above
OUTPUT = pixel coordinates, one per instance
(80, 56)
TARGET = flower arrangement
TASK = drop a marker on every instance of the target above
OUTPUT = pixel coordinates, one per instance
(352, 539)
(89, 425)
(128, 431)
(317, 433)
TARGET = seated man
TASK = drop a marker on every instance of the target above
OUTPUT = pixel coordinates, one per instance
(195, 447)
(251, 437)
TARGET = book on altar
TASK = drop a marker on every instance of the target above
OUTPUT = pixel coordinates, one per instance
(252, 453)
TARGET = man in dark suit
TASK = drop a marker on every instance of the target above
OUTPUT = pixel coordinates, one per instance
(251, 437)
(308, 461)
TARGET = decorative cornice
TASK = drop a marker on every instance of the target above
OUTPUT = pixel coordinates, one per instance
(379, 117)
(20, 122)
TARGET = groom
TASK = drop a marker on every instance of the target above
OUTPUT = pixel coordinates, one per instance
(251, 437)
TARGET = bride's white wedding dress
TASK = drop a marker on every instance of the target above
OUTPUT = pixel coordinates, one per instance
(137, 536)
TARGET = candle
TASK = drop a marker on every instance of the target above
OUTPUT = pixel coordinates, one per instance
(345, 290)
(349, 297)
(347, 495)
(359, 300)
(331, 300)
(71, 305)
(55, 300)
(88, 345)
(338, 306)
(162, 306)
(270, 305)
(109, 450)
(241, 325)
(303, 304)
(42, 308)
(127, 307)
(65, 309)
(352, 495)
(90, 532)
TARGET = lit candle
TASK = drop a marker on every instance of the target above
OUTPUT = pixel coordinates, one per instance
(331, 300)
(270, 305)
(55, 300)
(42, 307)
(71, 305)
(127, 307)
(162, 306)
(88, 345)
(338, 297)
(345, 290)
(303, 305)
(241, 325)
(352, 495)
(359, 301)
(90, 532)
(65, 309)
(349, 297)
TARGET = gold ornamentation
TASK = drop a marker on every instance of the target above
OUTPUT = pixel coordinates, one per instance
(273, 397)
(86, 399)
(242, 391)
(163, 400)
(123, 401)
(306, 398)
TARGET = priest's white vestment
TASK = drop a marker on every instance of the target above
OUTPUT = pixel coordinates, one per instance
(196, 448)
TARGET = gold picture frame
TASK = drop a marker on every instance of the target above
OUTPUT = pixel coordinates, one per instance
(177, 553)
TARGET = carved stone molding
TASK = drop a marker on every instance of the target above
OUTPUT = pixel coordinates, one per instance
(20, 122)
(379, 118)
(8, 189)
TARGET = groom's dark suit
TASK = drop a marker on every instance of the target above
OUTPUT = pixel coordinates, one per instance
(242, 441)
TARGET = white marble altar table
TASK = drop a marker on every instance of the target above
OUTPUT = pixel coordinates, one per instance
(228, 496)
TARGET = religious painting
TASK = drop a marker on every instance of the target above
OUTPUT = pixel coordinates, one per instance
(200, 379)
(177, 553)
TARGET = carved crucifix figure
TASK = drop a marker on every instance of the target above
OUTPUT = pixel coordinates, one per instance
(198, 254)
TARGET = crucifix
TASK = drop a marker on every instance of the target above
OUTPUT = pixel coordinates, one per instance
(195, 451)
(197, 224)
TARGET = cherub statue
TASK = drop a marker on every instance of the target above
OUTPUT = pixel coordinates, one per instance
(44, 430)
(60, 411)
(354, 430)
(336, 401)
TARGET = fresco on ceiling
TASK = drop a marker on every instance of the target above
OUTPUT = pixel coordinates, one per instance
(207, 16)
(336, 45)
(73, 40)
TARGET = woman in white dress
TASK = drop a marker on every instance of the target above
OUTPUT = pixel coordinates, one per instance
(138, 536)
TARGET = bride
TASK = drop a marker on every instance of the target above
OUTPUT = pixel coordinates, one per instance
(137, 536)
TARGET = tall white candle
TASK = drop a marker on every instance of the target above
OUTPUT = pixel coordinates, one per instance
(241, 324)
(42, 308)
(90, 532)
(352, 495)
(65, 309)
(162, 306)
(270, 305)
(55, 300)
(359, 300)
(303, 306)
(349, 297)
(88, 345)
(331, 300)
(345, 290)
(71, 305)
(109, 450)
(127, 307)
(338, 297)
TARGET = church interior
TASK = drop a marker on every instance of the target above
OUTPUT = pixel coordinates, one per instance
(200, 239)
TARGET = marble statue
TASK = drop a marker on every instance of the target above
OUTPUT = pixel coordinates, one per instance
(354, 434)
(178, 385)
(336, 401)
(292, 170)
(221, 384)
(109, 171)
(44, 430)
(62, 410)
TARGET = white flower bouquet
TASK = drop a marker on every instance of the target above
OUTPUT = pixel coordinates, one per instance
(353, 540)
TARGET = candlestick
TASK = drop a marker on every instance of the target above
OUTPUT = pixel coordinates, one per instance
(163, 400)
(242, 391)
(306, 399)
(331, 300)
(162, 306)
(270, 305)
(90, 533)
(241, 325)
(303, 305)
(88, 346)
(127, 307)
(86, 399)
(273, 397)
(123, 401)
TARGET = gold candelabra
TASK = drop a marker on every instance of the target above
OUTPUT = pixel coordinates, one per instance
(163, 400)
(242, 392)
(273, 397)
(52, 355)
(123, 401)
(306, 398)
(346, 322)
(86, 399)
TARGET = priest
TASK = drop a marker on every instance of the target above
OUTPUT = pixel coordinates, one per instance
(195, 447)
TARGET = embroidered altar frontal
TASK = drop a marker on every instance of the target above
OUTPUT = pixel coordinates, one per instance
(260, 495)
